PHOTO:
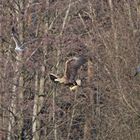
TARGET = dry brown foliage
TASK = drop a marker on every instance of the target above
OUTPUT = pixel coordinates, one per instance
(107, 106)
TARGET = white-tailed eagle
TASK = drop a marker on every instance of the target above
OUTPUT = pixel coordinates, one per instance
(70, 74)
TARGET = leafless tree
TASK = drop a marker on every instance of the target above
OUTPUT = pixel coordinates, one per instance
(37, 37)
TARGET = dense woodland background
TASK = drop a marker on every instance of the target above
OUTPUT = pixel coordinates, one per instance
(107, 106)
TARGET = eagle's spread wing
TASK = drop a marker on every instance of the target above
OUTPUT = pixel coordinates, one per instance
(72, 66)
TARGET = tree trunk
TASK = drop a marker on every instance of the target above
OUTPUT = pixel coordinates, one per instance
(89, 112)
(35, 111)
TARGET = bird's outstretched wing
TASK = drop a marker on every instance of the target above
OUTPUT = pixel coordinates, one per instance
(20, 46)
(72, 66)
(15, 37)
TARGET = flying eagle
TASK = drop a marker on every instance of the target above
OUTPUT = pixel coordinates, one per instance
(71, 69)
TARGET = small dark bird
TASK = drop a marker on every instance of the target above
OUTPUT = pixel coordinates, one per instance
(71, 69)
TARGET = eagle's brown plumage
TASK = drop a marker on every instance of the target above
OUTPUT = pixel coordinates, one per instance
(71, 68)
